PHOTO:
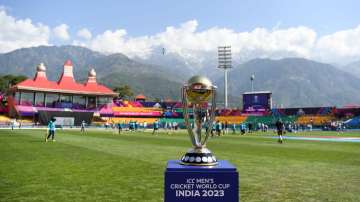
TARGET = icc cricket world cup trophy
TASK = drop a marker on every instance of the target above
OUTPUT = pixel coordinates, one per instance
(198, 176)
(200, 95)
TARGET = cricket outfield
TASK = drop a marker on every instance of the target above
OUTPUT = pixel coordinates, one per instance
(102, 165)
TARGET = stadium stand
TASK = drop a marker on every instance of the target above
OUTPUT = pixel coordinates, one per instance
(231, 119)
(128, 119)
(347, 111)
(314, 120)
(4, 119)
(302, 111)
(38, 99)
(228, 112)
(172, 120)
(269, 120)
(98, 120)
(353, 122)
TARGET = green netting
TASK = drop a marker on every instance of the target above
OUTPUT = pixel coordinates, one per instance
(181, 110)
(269, 119)
(172, 120)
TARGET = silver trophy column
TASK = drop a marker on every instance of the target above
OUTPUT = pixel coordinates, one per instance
(199, 92)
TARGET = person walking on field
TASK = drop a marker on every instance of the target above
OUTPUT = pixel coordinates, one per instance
(155, 126)
(280, 130)
(218, 128)
(83, 126)
(145, 126)
(242, 128)
(119, 125)
(233, 127)
(12, 124)
(213, 129)
(51, 130)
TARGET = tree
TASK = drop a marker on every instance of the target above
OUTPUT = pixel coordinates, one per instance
(9, 80)
(157, 99)
(124, 91)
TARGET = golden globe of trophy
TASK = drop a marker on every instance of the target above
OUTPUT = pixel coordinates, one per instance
(198, 93)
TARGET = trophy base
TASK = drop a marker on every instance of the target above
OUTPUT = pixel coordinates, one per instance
(199, 157)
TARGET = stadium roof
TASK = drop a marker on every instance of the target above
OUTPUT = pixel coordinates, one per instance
(140, 97)
(66, 83)
(257, 92)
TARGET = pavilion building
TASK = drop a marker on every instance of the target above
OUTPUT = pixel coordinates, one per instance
(43, 99)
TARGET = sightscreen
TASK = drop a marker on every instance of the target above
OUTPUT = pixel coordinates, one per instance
(257, 102)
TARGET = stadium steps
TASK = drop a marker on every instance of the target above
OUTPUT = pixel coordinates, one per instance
(269, 120)
(128, 119)
(231, 119)
(135, 109)
(4, 118)
(314, 119)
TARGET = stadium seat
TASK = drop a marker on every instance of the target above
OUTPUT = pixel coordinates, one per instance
(314, 119)
(231, 119)
(128, 119)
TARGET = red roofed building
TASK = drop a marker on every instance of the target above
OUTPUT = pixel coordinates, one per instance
(140, 98)
(66, 83)
(39, 94)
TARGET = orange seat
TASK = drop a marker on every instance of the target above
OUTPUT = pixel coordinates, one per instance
(316, 119)
(128, 119)
(231, 119)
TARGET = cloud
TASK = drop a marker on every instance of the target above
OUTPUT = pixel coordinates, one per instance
(84, 34)
(191, 44)
(340, 46)
(15, 34)
(196, 47)
(117, 41)
(61, 32)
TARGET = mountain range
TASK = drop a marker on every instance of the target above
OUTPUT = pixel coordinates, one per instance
(112, 70)
(352, 68)
(294, 82)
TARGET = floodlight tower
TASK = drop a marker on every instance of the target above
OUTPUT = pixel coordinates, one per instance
(224, 62)
(252, 82)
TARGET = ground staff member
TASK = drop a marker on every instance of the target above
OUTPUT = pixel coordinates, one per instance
(51, 130)
(280, 129)
(155, 126)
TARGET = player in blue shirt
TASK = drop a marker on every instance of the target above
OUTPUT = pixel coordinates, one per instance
(218, 128)
(242, 128)
(51, 130)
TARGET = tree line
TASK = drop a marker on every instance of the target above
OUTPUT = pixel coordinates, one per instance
(125, 92)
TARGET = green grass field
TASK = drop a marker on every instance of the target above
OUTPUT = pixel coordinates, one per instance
(103, 166)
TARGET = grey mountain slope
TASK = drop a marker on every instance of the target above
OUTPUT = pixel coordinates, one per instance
(296, 82)
(171, 61)
(23, 61)
(293, 81)
(353, 68)
(111, 69)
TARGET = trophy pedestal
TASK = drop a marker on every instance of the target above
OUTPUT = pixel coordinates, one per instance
(201, 183)
(199, 157)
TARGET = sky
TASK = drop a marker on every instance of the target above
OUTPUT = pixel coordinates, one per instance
(323, 30)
